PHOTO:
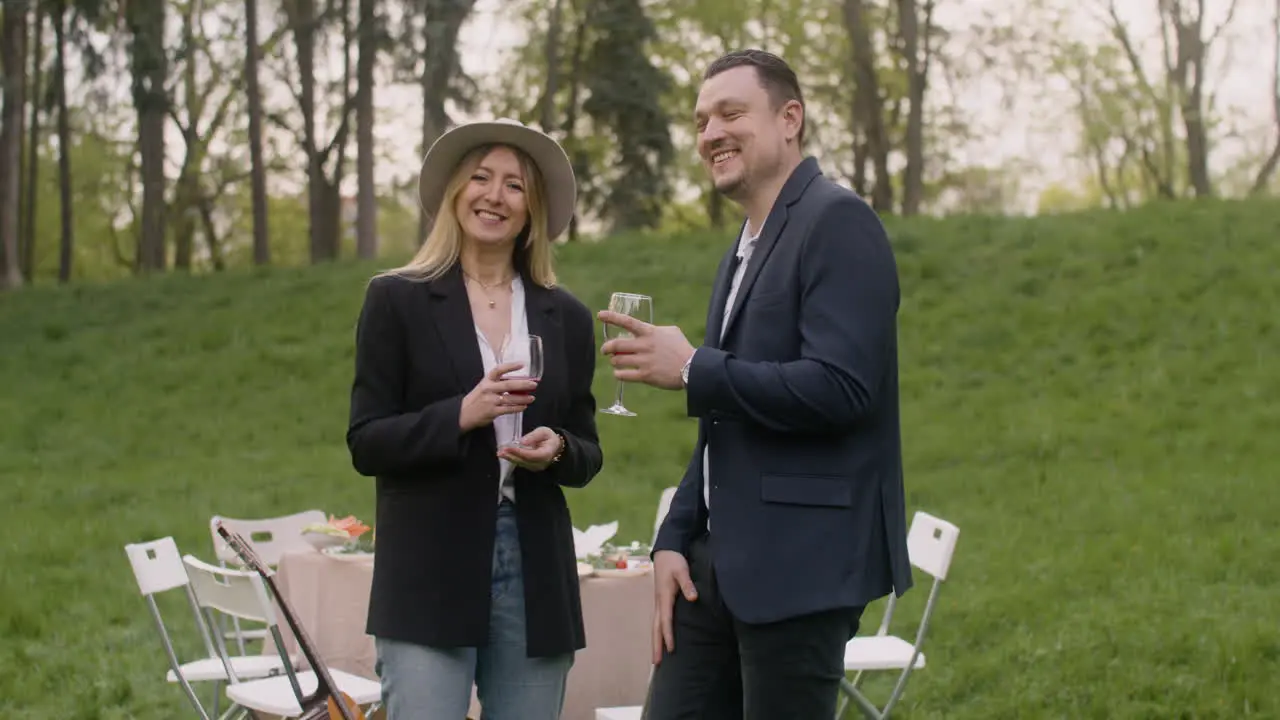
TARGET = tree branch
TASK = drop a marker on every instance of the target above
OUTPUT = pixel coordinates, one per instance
(1121, 35)
(278, 120)
(1213, 36)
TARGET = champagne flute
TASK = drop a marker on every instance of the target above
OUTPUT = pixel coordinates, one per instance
(530, 353)
(636, 306)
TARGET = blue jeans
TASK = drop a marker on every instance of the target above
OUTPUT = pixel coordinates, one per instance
(424, 683)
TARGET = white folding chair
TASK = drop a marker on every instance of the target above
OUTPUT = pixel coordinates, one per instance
(931, 542)
(271, 537)
(243, 595)
(158, 569)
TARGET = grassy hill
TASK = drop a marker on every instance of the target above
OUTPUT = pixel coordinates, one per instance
(1089, 397)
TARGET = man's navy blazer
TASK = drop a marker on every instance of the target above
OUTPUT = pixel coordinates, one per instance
(799, 403)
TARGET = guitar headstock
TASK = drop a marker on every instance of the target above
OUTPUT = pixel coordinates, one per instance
(242, 548)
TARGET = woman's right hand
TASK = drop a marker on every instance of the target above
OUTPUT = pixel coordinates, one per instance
(493, 396)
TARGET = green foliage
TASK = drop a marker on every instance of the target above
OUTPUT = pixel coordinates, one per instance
(808, 34)
(1127, 123)
(520, 87)
(102, 223)
(625, 90)
(1087, 396)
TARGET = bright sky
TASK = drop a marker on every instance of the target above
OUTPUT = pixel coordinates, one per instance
(1033, 130)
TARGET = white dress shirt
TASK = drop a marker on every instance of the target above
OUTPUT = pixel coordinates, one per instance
(504, 426)
(746, 244)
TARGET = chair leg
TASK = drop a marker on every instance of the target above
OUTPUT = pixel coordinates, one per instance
(235, 623)
(870, 711)
(173, 660)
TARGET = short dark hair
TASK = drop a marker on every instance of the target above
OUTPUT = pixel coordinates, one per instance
(775, 76)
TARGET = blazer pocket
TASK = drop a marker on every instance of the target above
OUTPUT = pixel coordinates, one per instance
(815, 490)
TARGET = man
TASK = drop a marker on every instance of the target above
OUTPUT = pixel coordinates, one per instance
(790, 518)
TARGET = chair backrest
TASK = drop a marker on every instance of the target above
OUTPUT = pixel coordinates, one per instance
(238, 593)
(271, 537)
(156, 565)
(931, 542)
(158, 568)
(243, 595)
(664, 505)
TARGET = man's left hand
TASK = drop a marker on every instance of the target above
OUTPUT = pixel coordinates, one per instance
(653, 356)
(541, 445)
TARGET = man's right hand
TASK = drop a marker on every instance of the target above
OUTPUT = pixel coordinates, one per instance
(493, 396)
(670, 576)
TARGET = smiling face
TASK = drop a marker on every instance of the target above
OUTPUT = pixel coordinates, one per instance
(492, 206)
(742, 136)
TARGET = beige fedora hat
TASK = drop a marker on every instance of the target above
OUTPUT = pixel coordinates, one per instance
(560, 187)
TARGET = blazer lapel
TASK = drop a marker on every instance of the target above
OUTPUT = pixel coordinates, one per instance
(451, 315)
(720, 293)
(543, 321)
(791, 193)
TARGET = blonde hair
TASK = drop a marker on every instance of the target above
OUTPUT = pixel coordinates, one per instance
(443, 245)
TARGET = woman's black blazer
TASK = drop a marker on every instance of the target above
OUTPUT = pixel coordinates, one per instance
(437, 487)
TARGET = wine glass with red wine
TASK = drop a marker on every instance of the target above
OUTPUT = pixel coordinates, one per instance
(529, 352)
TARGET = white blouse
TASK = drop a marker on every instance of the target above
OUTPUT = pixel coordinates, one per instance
(516, 348)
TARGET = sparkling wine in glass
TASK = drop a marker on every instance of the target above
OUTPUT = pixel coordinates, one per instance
(639, 307)
(528, 351)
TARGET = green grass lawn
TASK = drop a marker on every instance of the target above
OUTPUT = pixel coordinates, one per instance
(1089, 397)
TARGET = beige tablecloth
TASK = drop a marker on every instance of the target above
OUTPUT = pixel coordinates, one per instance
(330, 597)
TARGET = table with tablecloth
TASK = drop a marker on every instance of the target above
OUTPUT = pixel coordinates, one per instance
(330, 598)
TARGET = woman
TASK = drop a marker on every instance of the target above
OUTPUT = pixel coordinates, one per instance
(474, 576)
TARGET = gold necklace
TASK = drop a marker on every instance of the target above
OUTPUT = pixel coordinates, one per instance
(485, 288)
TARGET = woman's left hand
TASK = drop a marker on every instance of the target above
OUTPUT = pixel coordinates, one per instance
(541, 447)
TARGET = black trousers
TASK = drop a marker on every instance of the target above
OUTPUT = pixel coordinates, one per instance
(724, 669)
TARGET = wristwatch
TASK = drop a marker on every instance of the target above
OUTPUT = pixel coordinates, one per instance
(684, 371)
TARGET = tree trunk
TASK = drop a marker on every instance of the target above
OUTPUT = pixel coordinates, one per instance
(578, 158)
(303, 19)
(551, 56)
(366, 202)
(187, 186)
(257, 174)
(1191, 58)
(150, 71)
(869, 101)
(27, 248)
(15, 75)
(67, 242)
(211, 236)
(186, 203)
(439, 64)
(915, 43)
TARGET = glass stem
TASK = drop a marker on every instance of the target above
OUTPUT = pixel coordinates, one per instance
(618, 401)
(517, 432)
